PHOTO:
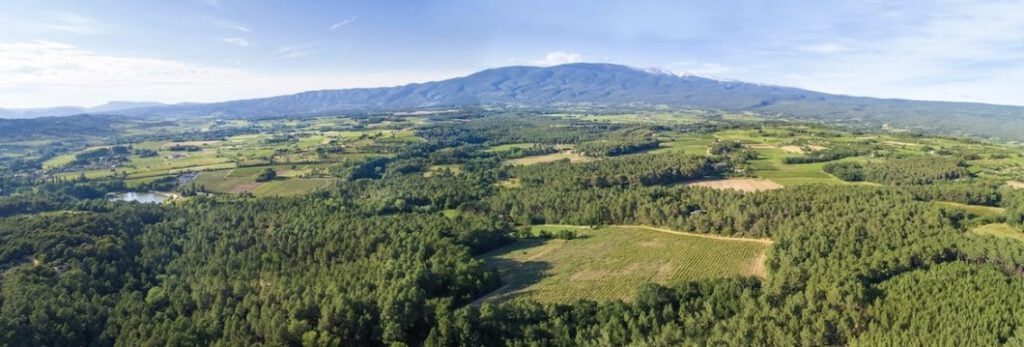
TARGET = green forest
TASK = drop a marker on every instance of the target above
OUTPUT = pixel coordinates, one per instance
(374, 230)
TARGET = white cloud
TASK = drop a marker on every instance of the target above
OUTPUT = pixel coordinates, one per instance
(693, 67)
(340, 24)
(958, 51)
(297, 51)
(237, 41)
(558, 58)
(45, 73)
(230, 25)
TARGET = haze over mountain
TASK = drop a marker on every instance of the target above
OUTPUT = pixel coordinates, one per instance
(607, 85)
(112, 106)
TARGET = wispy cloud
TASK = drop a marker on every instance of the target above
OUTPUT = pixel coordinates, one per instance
(46, 73)
(237, 41)
(693, 67)
(72, 23)
(229, 25)
(296, 51)
(558, 58)
(340, 24)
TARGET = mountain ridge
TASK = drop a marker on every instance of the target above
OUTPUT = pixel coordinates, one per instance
(610, 85)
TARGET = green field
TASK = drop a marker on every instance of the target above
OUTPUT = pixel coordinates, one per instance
(1000, 230)
(292, 186)
(976, 210)
(610, 262)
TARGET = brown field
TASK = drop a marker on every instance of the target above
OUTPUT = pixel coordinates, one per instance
(1015, 184)
(537, 159)
(792, 149)
(740, 184)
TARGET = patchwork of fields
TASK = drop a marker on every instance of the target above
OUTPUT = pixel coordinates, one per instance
(602, 264)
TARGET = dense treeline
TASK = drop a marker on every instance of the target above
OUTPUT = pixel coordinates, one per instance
(194, 275)
(610, 148)
(637, 170)
(901, 171)
(825, 155)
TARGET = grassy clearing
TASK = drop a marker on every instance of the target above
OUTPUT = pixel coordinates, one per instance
(537, 159)
(436, 169)
(740, 184)
(976, 210)
(1001, 230)
(609, 263)
(292, 186)
(59, 161)
(219, 182)
(771, 167)
(691, 144)
(222, 181)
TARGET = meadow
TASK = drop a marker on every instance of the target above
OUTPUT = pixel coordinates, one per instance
(608, 263)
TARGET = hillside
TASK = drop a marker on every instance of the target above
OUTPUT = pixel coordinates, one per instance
(602, 85)
(616, 85)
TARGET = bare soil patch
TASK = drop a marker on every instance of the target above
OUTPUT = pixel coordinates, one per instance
(792, 149)
(1015, 184)
(740, 184)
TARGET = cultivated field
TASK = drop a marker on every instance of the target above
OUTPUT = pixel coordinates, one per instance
(740, 184)
(537, 159)
(610, 262)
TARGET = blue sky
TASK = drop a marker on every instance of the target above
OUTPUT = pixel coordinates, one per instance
(86, 53)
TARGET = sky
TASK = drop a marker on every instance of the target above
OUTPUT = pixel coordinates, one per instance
(57, 52)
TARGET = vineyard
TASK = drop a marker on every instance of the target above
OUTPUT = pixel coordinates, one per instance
(609, 263)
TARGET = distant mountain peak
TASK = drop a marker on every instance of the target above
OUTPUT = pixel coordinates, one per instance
(600, 85)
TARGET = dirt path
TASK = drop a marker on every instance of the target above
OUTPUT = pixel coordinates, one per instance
(707, 236)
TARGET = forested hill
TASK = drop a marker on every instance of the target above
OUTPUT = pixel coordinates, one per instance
(617, 85)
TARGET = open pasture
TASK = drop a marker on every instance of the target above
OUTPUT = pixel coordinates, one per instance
(1000, 230)
(610, 262)
(547, 158)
